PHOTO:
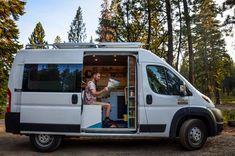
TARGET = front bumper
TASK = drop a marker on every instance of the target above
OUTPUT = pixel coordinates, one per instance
(220, 127)
(219, 120)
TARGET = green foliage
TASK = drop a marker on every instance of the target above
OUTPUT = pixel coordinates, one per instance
(228, 84)
(212, 63)
(211, 60)
(105, 30)
(57, 39)
(228, 115)
(130, 22)
(77, 32)
(37, 37)
(2, 115)
(126, 20)
(10, 11)
(228, 99)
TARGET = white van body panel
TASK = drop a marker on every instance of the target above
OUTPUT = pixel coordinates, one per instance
(49, 56)
(15, 82)
(56, 108)
(196, 99)
(161, 105)
(46, 107)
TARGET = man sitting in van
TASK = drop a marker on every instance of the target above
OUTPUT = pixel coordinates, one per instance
(91, 93)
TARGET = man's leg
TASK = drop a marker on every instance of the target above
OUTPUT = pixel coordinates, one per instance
(106, 106)
(107, 110)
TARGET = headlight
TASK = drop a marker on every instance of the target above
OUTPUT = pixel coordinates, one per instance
(207, 99)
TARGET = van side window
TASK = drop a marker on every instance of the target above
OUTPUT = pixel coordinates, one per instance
(163, 81)
(52, 77)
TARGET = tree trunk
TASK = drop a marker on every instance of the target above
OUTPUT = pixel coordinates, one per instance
(180, 37)
(127, 19)
(149, 26)
(207, 82)
(190, 44)
(170, 33)
(217, 94)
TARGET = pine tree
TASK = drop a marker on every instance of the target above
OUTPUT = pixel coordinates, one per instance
(128, 20)
(211, 59)
(190, 44)
(77, 32)
(10, 11)
(155, 34)
(140, 21)
(57, 39)
(37, 37)
(105, 30)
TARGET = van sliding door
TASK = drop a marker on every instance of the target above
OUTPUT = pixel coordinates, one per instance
(51, 97)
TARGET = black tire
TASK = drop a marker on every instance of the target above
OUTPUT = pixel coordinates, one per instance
(193, 134)
(45, 142)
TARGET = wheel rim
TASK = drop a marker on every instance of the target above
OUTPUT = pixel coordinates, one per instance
(195, 136)
(44, 140)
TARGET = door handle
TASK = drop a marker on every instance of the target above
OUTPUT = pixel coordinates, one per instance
(74, 99)
(149, 99)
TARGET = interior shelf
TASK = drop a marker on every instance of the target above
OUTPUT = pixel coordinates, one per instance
(130, 92)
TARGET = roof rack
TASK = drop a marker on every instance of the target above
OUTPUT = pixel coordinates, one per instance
(120, 45)
(74, 45)
(36, 46)
(86, 45)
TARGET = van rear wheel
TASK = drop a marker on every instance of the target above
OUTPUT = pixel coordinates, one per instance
(193, 134)
(45, 142)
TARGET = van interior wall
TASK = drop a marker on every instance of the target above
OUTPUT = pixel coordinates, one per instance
(112, 66)
(115, 72)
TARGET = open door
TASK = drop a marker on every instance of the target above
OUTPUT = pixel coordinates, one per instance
(123, 98)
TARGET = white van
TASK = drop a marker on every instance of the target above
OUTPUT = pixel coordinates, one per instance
(152, 100)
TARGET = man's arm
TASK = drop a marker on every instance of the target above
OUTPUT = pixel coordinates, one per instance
(97, 93)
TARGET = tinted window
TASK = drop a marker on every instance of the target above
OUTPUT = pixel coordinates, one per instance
(163, 81)
(173, 83)
(157, 79)
(52, 77)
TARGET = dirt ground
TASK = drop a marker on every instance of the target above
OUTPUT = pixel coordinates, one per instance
(223, 144)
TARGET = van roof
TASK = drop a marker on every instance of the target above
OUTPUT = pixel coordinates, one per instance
(61, 55)
(87, 45)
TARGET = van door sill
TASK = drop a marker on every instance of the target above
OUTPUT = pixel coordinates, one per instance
(109, 130)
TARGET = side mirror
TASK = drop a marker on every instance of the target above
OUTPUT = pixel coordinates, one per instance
(183, 91)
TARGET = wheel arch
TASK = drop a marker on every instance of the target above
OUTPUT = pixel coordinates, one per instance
(192, 113)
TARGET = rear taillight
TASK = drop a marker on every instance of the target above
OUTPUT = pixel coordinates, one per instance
(8, 100)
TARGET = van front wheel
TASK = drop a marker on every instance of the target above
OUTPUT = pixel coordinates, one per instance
(45, 142)
(193, 134)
